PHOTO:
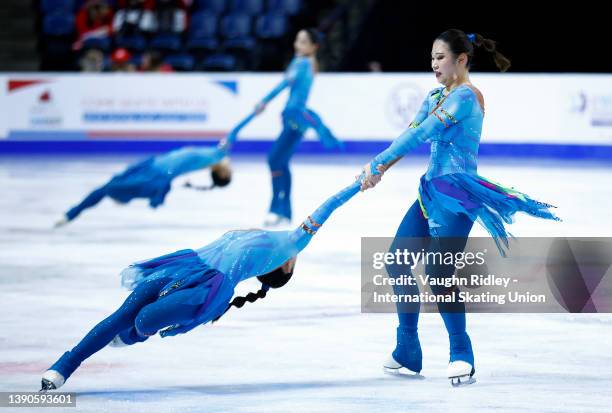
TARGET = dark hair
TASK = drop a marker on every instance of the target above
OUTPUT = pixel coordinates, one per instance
(316, 37)
(219, 180)
(274, 279)
(458, 42)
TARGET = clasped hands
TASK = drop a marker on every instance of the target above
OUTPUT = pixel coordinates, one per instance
(368, 179)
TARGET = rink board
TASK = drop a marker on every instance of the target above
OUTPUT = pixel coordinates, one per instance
(526, 114)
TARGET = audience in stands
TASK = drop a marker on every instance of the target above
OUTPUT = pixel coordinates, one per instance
(185, 34)
(171, 16)
(153, 61)
(121, 61)
(93, 20)
(134, 17)
(92, 61)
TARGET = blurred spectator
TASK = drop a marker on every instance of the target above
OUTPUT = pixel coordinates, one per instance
(121, 61)
(92, 61)
(153, 61)
(374, 66)
(135, 17)
(93, 20)
(147, 4)
(171, 16)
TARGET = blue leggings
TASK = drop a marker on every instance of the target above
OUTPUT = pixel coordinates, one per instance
(155, 188)
(414, 224)
(92, 199)
(278, 160)
(141, 315)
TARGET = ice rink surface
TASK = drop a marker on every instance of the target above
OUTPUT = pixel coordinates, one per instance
(306, 347)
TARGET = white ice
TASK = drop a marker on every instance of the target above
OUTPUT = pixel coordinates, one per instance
(305, 348)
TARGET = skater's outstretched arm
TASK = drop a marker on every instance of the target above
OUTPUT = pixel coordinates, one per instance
(421, 114)
(418, 119)
(226, 143)
(297, 69)
(303, 234)
(452, 110)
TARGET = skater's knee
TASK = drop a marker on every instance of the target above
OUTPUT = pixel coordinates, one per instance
(144, 323)
(272, 159)
(275, 163)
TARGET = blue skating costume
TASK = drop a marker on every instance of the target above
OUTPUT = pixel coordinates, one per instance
(191, 287)
(296, 120)
(151, 178)
(451, 197)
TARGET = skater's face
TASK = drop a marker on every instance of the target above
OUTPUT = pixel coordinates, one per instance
(303, 44)
(446, 66)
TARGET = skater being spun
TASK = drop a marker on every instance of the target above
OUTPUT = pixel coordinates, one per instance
(174, 293)
(451, 195)
(296, 120)
(152, 178)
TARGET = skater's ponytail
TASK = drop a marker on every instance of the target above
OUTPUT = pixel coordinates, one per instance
(274, 279)
(316, 37)
(502, 63)
(218, 181)
(458, 42)
(240, 301)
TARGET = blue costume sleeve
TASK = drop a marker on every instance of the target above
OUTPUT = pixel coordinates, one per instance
(323, 212)
(452, 110)
(421, 114)
(296, 69)
(226, 143)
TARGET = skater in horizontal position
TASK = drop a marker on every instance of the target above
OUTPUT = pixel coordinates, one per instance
(176, 292)
(451, 195)
(296, 118)
(152, 177)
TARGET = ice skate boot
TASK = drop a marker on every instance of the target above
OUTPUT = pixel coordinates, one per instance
(51, 380)
(61, 223)
(460, 369)
(407, 358)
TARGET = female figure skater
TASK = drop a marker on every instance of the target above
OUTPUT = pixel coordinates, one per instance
(152, 178)
(451, 194)
(179, 291)
(296, 119)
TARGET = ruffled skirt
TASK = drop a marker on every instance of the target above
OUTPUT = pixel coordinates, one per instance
(208, 288)
(487, 202)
